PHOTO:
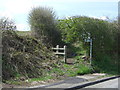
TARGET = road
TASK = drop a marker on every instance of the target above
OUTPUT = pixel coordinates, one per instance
(79, 82)
(107, 84)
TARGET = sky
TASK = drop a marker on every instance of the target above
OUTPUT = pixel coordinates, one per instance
(18, 10)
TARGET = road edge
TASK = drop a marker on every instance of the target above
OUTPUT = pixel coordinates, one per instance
(91, 83)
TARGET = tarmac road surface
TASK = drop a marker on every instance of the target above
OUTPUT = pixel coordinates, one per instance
(114, 83)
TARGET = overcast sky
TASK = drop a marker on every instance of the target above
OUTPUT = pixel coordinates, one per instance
(18, 10)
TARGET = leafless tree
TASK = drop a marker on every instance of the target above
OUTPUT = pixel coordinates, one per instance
(7, 24)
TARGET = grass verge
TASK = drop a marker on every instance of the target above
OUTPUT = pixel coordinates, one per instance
(60, 72)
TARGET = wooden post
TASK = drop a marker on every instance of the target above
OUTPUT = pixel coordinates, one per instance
(65, 54)
(90, 52)
(57, 50)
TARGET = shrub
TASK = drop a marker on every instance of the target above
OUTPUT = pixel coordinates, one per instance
(43, 25)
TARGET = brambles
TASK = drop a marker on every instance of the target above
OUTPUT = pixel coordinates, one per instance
(23, 55)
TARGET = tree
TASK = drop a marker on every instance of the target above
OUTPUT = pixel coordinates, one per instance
(105, 40)
(42, 22)
(7, 24)
(78, 29)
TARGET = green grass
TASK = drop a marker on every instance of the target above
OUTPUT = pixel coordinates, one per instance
(72, 70)
(57, 71)
(83, 70)
(65, 70)
(14, 82)
(23, 33)
(106, 64)
(41, 78)
(19, 82)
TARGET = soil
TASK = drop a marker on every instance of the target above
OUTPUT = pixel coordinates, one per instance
(48, 82)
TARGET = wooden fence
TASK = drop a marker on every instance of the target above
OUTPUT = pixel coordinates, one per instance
(64, 49)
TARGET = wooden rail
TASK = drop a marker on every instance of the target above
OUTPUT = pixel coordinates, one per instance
(57, 49)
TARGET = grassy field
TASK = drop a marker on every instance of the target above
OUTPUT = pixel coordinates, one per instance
(23, 33)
